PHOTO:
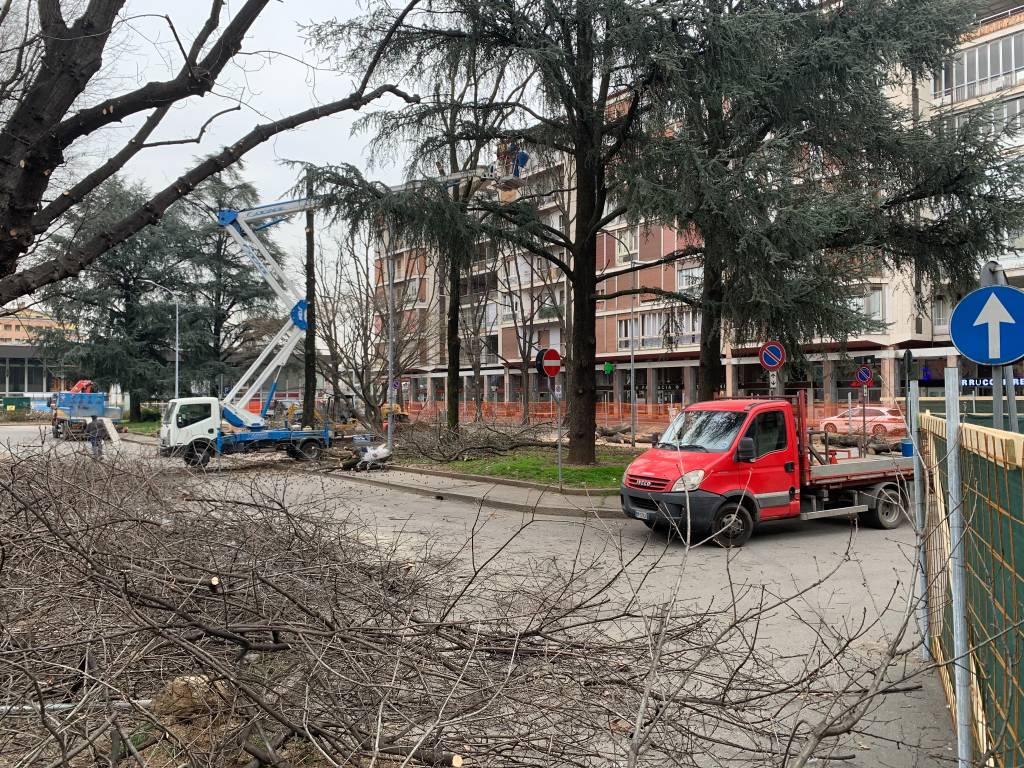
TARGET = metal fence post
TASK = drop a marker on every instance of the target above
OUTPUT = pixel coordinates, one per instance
(914, 414)
(961, 661)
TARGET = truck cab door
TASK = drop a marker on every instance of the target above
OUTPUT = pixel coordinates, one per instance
(194, 421)
(772, 478)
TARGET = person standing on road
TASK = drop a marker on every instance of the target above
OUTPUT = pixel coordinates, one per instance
(94, 433)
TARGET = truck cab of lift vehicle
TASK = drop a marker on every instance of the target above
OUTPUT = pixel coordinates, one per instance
(189, 423)
(718, 461)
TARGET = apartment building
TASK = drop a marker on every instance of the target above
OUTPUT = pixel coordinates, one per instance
(519, 302)
(21, 370)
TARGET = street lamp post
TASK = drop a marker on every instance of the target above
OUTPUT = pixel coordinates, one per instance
(177, 342)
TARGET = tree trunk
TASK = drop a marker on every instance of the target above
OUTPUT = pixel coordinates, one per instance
(582, 375)
(524, 391)
(478, 392)
(454, 348)
(712, 373)
(309, 357)
(135, 411)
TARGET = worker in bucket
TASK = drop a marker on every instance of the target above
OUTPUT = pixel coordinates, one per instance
(94, 433)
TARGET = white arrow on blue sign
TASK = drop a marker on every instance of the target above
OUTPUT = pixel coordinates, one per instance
(987, 326)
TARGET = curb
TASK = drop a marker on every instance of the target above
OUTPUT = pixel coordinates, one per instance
(131, 437)
(484, 501)
(505, 481)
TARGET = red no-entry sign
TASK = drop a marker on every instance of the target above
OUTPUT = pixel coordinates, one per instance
(549, 363)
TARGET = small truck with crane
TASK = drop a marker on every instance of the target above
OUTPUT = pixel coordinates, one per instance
(724, 467)
(73, 409)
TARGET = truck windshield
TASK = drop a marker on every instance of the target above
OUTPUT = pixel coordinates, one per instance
(707, 431)
(166, 417)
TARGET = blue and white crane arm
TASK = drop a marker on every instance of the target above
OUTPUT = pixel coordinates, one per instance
(243, 227)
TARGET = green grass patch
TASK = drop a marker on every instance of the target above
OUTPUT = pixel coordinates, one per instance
(539, 465)
(142, 427)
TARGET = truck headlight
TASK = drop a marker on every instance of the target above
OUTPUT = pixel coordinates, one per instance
(690, 481)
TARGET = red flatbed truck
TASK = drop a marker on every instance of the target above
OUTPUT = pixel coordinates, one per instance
(723, 467)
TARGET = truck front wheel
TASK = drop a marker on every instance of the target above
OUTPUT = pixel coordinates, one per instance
(732, 526)
(198, 455)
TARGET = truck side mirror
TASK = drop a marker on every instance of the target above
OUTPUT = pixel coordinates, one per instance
(745, 450)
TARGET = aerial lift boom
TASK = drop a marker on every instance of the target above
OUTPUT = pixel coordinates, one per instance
(243, 227)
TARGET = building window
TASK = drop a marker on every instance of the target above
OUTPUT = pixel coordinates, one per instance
(511, 307)
(689, 279)
(871, 303)
(653, 327)
(627, 243)
(687, 327)
(624, 335)
(940, 313)
(981, 69)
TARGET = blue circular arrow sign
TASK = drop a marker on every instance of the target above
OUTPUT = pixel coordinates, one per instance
(987, 326)
(772, 355)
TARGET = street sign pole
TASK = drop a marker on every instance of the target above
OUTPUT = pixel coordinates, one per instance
(864, 420)
(955, 512)
(558, 417)
(914, 433)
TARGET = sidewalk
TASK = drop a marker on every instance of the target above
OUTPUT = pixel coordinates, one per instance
(493, 495)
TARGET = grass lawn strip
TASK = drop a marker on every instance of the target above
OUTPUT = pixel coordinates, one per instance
(539, 465)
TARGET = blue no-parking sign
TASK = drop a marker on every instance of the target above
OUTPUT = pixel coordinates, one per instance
(987, 326)
(772, 355)
(864, 376)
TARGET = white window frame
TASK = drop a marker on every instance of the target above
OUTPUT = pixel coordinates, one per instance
(627, 244)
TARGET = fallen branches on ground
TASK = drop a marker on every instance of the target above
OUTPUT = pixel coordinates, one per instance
(154, 622)
(434, 441)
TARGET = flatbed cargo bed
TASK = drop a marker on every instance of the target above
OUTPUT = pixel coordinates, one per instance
(861, 469)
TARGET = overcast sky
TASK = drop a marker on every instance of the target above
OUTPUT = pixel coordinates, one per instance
(281, 77)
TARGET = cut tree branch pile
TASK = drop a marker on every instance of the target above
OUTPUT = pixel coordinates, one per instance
(156, 620)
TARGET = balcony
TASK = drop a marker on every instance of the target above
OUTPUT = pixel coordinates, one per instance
(550, 312)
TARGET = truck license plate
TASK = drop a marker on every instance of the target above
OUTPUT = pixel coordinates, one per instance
(640, 514)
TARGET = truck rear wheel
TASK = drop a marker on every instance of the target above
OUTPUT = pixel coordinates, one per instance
(308, 450)
(732, 526)
(888, 509)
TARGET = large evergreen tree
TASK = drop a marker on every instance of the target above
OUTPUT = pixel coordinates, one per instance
(120, 324)
(798, 162)
(582, 70)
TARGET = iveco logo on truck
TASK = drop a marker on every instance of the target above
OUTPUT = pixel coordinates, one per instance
(644, 483)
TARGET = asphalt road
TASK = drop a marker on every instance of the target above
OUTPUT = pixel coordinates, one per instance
(868, 573)
(22, 439)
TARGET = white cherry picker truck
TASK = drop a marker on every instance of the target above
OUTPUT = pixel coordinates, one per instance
(198, 428)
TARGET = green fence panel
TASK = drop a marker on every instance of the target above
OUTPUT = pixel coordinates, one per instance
(993, 506)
